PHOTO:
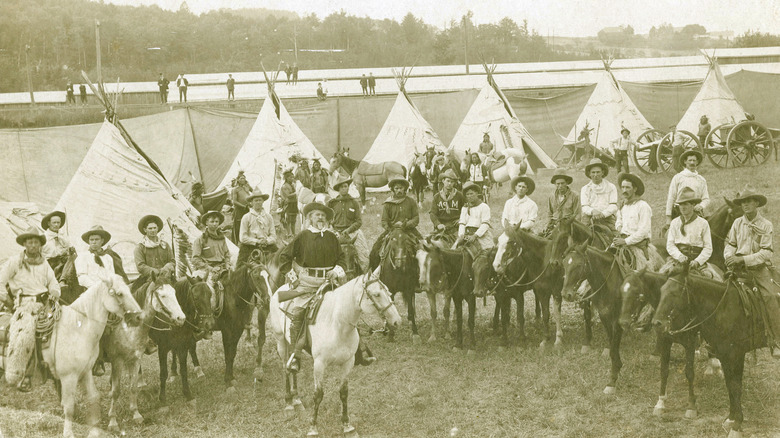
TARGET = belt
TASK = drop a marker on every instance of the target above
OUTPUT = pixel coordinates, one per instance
(317, 272)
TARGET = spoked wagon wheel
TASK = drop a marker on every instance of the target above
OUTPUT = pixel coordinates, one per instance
(672, 146)
(645, 154)
(715, 146)
(750, 143)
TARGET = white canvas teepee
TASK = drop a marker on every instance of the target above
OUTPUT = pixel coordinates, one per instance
(273, 139)
(114, 187)
(405, 132)
(15, 219)
(608, 110)
(491, 113)
(715, 100)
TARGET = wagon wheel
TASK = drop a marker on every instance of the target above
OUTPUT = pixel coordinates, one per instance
(715, 146)
(645, 153)
(672, 146)
(749, 143)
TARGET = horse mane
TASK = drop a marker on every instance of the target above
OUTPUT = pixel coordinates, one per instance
(182, 288)
(88, 296)
(240, 280)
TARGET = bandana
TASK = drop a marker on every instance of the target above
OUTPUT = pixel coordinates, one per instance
(148, 243)
(27, 261)
(98, 253)
(213, 236)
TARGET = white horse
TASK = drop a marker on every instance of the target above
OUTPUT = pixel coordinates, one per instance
(74, 346)
(334, 338)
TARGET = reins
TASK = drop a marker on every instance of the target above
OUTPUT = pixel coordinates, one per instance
(606, 279)
(688, 326)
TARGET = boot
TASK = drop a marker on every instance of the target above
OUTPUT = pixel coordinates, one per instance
(99, 369)
(297, 325)
(363, 355)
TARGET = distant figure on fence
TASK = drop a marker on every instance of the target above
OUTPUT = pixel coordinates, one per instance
(83, 93)
(288, 72)
(182, 83)
(163, 84)
(364, 85)
(321, 94)
(295, 73)
(371, 84)
(231, 86)
(69, 96)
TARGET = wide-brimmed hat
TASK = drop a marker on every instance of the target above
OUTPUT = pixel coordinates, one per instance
(635, 181)
(449, 173)
(595, 162)
(97, 229)
(148, 219)
(314, 206)
(695, 152)
(471, 185)
(561, 175)
(624, 129)
(687, 195)
(31, 233)
(341, 180)
(528, 183)
(398, 180)
(257, 193)
(205, 216)
(47, 218)
(750, 193)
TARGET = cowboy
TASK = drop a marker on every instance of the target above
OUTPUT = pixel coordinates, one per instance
(28, 277)
(93, 265)
(562, 205)
(446, 208)
(621, 146)
(152, 254)
(58, 247)
(749, 245)
(210, 250)
(400, 211)
(688, 178)
(633, 224)
(238, 196)
(257, 229)
(519, 210)
(689, 239)
(196, 197)
(316, 257)
(599, 196)
(474, 226)
(288, 203)
(318, 178)
(347, 221)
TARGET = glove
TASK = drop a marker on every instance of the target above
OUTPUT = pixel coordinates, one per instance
(682, 259)
(292, 278)
(440, 227)
(694, 265)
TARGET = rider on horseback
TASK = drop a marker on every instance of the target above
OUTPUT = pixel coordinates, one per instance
(633, 223)
(210, 255)
(57, 248)
(257, 229)
(446, 207)
(400, 211)
(28, 277)
(474, 226)
(688, 178)
(520, 210)
(598, 197)
(347, 221)
(564, 204)
(152, 254)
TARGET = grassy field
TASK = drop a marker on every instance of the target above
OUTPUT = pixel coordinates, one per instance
(426, 390)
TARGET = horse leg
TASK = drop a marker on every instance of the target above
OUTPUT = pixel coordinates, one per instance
(230, 343)
(501, 316)
(296, 400)
(412, 316)
(319, 374)
(520, 300)
(690, 353)
(195, 361)
(666, 350)
(185, 381)
(162, 355)
(459, 324)
(117, 368)
(262, 316)
(93, 404)
(344, 394)
(614, 355)
(472, 302)
(434, 315)
(587, 313)
(447, 303)
(135, 375)
(733, 367)
(174, 366)
(543, 300)
(497, 314)
(69, 386)
(557, 318)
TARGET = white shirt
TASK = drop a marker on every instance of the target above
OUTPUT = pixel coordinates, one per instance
(686, 178)
(622, 144)
(697, 233)
(56, 245)
(634, 220)
(519, 211)
(599, 197)
(89, 271)
(478, 217)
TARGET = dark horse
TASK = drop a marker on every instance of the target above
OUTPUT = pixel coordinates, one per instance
(449, 271)
(194, 297)
(366, 174)
(418, 178)
(717, 310)
(639, 289)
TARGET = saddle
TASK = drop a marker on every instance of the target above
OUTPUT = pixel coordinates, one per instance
(47, 316)
(753, 307)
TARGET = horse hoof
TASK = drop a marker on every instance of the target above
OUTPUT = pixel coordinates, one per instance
(171, 379)
(455, 349)
(727, 425)
(113, 426)
(289, 408)
(199, 372)
(141, 384)
(735, 434)
(298, 404)
(658, 411)
(230, 390)
(605, 352)
(432, 339)
(258, 374)
(312, 432)
(416, 340)
(470, 352)
(609, 390)
(94, 432)
(349, 430)
(138, 419)
(585, 349)
(163, 410)
(709, 371)
(193, 403)
(691, 414)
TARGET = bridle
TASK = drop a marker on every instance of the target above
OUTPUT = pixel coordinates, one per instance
(606, 278)
(368, 282)
(690, 325)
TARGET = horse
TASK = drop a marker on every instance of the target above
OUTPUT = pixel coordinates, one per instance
(720, 223)
(74, 346)
(194, 297)
(418, 177)
(125, 345)
(334, 338)
(716, 309)
(641, 288)
(65, 271)
(449, 271)
(367, 174)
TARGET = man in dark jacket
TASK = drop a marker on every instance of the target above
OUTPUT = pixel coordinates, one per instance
(445, 208)
(163, 84)
(400, 211)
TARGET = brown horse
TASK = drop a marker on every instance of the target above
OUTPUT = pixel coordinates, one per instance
(399, 271)
(716, 309)
(366, 174)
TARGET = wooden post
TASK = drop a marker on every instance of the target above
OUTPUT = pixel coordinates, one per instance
(97, 49)
(29, 74)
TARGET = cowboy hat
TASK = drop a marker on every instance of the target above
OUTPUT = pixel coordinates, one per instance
(47, 218)
(398, 180)
(205, 216)
(97, 229)
(695, 152)
(146, 220)
(749, 193)
(561, 175)
(624, 129)
(528, 183)
(470, 185)
(635, 181)
(31, 233)
(341, 180)
(315, 206)
(257, 193)
(449, 173)
(596, 162)
(687, 195)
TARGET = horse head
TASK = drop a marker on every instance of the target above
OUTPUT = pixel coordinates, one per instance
(429, 260)
(118, 300)
(379, 301)
(633, 293)
(22, 341)
(675, 305)
(163, 300)
(194, 296)
(575, 270)
(484, 275)
(509, 248)
(258, 276)
(561, 240)
(398, 247)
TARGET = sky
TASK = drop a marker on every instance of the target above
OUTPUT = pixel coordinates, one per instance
(554, 17)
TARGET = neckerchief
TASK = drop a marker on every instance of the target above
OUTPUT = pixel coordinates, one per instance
(321, 232)
(213, 236)
(98, 253)
(28, 261)
(686, 222)
(148, 243)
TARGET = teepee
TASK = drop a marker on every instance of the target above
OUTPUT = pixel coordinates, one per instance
(715, 100)
(405, 132)
(491, 113)
(15, 219)
(272, 141)
(609, 109)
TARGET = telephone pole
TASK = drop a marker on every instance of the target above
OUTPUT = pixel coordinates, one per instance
(97, 49)
(466, 38)
(29, 74)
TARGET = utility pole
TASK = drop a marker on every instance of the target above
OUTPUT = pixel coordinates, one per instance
(295, 41)
(97, 49)
(29, 74)
(466, 38)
